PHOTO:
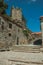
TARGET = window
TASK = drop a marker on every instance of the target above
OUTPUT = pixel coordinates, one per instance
(10, 25)
(9, 34)
(0, 20)
(17, 40)
(2, 26)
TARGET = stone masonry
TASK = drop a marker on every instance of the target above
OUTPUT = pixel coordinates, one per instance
(16, 13)
(11, 31)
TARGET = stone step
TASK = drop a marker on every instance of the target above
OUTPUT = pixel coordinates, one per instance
(20, 58)
(28, 62)
(27, 49)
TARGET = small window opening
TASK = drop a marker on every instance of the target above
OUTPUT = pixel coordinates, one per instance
(10, 25)
(2, 26)
(0, 20)
(17, 40)
(9, 34)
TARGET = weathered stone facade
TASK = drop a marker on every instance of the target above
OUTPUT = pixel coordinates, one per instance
(11, 33)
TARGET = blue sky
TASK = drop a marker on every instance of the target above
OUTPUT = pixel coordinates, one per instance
(32, 10)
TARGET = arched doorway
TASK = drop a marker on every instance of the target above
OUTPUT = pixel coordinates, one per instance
(38, 42)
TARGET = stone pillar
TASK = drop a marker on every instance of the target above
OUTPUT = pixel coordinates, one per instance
(41, 21)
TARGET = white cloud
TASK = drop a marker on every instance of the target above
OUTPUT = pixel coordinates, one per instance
(33, 0)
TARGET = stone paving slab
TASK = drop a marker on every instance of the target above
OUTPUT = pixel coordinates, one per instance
(22, 57)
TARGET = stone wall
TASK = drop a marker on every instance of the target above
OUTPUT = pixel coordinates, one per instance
(11, 34)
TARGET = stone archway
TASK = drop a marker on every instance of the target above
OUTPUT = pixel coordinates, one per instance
(38, 42)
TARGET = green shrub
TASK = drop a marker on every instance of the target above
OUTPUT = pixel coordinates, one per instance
(26, 33)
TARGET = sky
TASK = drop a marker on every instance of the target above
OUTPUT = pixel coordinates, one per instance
(31, 9)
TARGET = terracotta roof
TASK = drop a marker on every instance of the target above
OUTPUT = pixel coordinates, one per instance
(41, 17)
(37, 33)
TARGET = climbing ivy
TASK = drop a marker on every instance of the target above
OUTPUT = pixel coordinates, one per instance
(26, 33)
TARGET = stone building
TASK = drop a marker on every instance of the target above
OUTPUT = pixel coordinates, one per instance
(11, 30)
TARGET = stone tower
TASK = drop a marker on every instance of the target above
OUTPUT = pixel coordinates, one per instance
(16, 13)
(41, 21)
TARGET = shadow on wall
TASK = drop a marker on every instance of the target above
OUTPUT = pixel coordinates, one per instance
(38, 42)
